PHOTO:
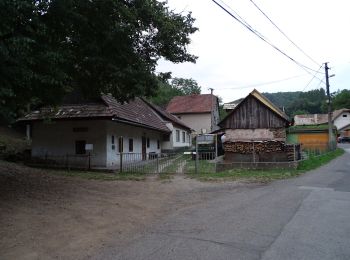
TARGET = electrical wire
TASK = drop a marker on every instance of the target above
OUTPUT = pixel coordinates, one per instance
(313, 79)
(266, 16)
(307, 69)
(264, 83)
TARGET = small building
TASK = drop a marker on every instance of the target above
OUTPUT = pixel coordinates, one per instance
(200, 112)
(104, 129)
(255, 131)
(341, 119)
(311, 137)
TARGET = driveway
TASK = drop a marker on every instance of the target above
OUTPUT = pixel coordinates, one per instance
(302, 218)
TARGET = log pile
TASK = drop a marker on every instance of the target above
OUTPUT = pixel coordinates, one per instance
(254, 147)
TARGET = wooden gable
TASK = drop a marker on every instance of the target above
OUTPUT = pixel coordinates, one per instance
(251, 113)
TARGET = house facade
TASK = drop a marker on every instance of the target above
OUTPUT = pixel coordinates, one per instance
(255, 131)
(200, 112)
(103, 130)
(341, 119)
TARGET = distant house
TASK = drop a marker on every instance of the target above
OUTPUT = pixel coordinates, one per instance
(200, 112)
(341, 119)
(310, 119)
(255, 130)
(105, 128)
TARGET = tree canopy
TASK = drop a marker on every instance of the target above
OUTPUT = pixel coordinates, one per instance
(51, 47)
(341, 99)
(170, 87)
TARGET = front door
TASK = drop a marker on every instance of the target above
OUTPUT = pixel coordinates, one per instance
(143, 148)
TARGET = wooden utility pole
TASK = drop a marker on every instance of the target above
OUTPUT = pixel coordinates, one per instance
(330, 124)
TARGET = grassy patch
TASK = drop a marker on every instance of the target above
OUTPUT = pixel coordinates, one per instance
(89, 175)
(268, 175)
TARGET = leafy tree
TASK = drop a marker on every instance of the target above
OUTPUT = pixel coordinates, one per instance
(170, 87)
(187, 86)
(51, 47)
(341, 99)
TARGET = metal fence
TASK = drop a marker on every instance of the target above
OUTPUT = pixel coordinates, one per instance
(181, 162)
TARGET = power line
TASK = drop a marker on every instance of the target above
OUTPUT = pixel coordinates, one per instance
(313, 79)
(265, 83)
(307, 69)
(283, 32)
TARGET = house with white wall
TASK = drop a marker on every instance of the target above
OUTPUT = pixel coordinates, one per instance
(200, 112)
(104, 129)
(341, 119)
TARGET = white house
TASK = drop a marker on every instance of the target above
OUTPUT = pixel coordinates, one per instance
(200, 112)
(341, 119)
(104, 129)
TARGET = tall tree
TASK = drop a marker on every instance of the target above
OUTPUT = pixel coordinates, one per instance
(187, 86)
(341, 99)
(50, 47)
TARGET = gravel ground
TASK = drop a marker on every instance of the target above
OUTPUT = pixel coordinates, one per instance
(45, 216)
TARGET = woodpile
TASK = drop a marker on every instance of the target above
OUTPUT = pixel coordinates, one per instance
(254, 147)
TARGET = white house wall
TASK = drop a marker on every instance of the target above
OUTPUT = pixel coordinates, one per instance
(342, 120)
(129, 132)
(57, 138)
(197, 121)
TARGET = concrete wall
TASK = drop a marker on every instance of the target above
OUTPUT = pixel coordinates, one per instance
(342, 120)
(255, 134)
(57, 138)
(129, 132)
(197, 121)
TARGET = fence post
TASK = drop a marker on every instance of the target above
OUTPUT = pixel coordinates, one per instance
(89, 160)
(253, 152)
(157, 163)
(294, 152)
(196, 163)
(121, 162)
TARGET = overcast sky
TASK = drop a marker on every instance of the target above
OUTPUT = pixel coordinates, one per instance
(232, 59)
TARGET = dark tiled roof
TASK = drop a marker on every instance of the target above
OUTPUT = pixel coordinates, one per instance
(136, 112)
(192, 104)
(168, 117)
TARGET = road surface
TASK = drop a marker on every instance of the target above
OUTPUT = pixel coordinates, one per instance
(301, 218)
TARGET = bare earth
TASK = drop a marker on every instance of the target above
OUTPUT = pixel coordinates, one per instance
(44, 216)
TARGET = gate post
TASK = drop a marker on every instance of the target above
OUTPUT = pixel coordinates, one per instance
(121, 162)
(196, 163)
(157, 163)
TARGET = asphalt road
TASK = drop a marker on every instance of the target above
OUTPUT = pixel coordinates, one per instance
(301, 218)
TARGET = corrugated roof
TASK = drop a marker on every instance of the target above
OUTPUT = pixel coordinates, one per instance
(201, 103)
(136, 111)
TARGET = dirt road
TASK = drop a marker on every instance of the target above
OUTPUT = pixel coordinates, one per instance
(43, 216)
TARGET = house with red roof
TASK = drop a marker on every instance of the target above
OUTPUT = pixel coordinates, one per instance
(200, 112)
(104, 128)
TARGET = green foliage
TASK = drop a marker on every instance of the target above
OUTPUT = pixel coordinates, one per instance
(341, 99)
(295, 103)
(51, 47)
(169, 88)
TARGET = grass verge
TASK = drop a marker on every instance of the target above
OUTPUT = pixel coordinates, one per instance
(89, 175)
(268, 175)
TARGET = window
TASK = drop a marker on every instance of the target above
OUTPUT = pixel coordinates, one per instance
(120, 144)
(80, 147)
(148, 142)
(112, 139)
(131, 145)
(183, 137)
(158, 144)
(345, 115)
(177, 135)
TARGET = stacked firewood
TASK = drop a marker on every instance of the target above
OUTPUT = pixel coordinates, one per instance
(254, 147)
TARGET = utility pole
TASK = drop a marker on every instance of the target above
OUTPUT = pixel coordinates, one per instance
(211, 109)
(330, 125)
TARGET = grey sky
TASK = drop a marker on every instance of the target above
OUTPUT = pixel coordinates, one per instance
(231, 58)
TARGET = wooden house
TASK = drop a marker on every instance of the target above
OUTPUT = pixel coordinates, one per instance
(255, 131)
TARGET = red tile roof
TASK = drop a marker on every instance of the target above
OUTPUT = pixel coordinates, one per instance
(202, 103)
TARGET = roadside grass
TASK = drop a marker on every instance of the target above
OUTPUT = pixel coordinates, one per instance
(91, 175)
(311, 163)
